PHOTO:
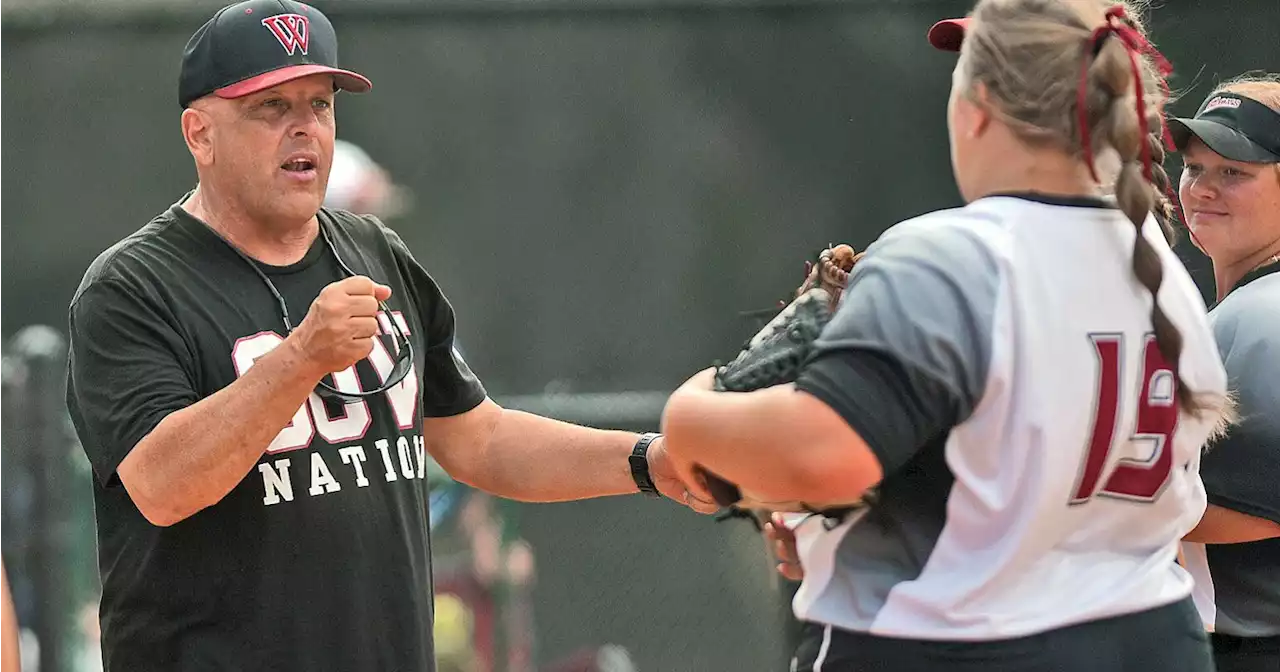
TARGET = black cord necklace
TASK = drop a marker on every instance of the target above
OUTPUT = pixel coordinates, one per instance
(404, 347)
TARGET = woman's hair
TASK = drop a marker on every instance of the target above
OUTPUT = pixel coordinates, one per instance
(1263, 87)
(1080, 75)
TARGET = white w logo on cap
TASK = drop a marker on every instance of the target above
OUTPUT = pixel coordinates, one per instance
(292, 30)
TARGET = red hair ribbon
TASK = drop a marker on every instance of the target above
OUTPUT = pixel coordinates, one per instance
(1118, 23)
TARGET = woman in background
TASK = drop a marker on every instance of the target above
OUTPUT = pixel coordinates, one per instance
(1230, 193)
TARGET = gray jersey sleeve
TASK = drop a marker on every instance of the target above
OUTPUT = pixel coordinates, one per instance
(920, 304)
(1240, 471)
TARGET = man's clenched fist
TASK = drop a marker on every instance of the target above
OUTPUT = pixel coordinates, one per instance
(339, 328)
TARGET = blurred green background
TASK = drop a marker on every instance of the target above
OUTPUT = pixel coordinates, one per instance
(600, 187)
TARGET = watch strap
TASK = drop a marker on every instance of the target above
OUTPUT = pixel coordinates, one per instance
(639, 460)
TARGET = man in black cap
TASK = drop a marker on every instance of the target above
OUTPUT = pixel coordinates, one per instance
(1230, 192)
(257, 380)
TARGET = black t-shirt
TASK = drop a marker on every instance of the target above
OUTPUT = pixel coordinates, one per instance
(1241, 472)
(320, 558)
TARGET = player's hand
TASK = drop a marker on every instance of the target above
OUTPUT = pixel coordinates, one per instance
(340, 326)
(665, 477)
(703, 380)
(783, 542)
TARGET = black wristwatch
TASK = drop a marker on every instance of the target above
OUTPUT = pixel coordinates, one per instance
(639, 459)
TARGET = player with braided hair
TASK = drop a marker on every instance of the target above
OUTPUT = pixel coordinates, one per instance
(1011, 395)
(947, 36)
(1123, 67)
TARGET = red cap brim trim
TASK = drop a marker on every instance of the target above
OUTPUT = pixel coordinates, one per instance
(343, 79)
(948, 34)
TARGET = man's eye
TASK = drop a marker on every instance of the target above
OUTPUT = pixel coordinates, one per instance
(322, 103)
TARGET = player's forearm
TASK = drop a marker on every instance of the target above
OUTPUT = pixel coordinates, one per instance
(777, 443)
(1221, 525)
(197, 455)
(535, 459)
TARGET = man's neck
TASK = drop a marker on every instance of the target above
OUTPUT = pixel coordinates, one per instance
(274, 243)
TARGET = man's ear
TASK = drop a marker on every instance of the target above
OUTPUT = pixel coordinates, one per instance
(198, 131)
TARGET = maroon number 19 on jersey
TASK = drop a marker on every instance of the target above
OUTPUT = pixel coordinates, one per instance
(1157, 418)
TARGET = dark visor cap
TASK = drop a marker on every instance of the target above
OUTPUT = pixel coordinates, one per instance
(251, 46)
(1234, 126)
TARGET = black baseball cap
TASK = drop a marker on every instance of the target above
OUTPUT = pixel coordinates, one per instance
(255, 45)
(1235, 126)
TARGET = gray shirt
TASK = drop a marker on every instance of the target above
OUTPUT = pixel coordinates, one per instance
(1242, 471)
